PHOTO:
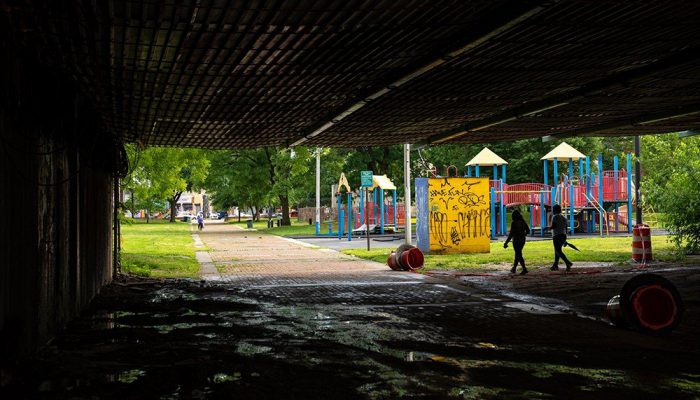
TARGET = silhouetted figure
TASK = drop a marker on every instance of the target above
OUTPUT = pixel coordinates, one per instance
(518, 234)
(559, 238)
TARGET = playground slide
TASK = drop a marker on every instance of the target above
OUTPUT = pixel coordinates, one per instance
(362, 229)
(622, 216)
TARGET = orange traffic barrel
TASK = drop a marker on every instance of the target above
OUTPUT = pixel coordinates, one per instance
(412, 259)
(649, 303)
(641, 243)
(406, 258)
(392, 262)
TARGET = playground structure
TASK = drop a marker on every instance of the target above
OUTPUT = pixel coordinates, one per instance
(593, 203)
(382, 211)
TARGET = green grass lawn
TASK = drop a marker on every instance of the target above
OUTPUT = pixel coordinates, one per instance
(297, 227)
(538, 253)
(158, 249)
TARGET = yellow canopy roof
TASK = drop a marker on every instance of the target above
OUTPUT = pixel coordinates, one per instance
(563, 152)
(486, 158)
(382, 182)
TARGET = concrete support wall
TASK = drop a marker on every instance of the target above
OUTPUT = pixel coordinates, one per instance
(55, 203)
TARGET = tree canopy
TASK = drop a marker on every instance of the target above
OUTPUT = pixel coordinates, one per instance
(159, 175)
(672, 185)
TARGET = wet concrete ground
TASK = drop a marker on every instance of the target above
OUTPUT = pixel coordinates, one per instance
(329, 326)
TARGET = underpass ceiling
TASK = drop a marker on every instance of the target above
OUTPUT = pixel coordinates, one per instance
(225, 74)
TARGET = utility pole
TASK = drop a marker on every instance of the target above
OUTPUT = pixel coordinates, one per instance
(318, 190)
(407, 189)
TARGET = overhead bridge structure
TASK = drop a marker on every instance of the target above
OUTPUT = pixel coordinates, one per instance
(81, 78)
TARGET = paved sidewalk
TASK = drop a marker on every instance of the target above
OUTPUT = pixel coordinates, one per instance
(244, 255)
(292, 321)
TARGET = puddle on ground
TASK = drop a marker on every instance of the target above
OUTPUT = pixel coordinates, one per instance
(130, 376)
(215, 344)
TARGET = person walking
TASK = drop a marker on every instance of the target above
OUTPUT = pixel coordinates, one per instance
(559, 238)
(518, 234)
(200, 222)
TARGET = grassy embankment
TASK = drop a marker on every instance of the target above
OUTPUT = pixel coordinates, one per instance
(159, 248)
(538, 253)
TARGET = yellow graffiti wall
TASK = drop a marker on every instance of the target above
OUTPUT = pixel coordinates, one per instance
(459, 218)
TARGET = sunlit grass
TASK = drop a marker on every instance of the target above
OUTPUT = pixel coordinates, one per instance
(296, 229)
(158, 249)
(538, 253)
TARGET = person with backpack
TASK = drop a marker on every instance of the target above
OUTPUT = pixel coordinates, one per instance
(200, 222)
(518, 234)
(559, 238)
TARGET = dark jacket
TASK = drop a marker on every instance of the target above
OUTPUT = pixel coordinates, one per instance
(518, 232)
(559, 225)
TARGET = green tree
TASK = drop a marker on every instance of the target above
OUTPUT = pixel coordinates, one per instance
(238, 179)
(160, 175)
(671, 167)
(261, 177)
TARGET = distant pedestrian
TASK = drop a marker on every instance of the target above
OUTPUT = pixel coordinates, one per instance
(518, 234)
(559, 238)
(200, 222)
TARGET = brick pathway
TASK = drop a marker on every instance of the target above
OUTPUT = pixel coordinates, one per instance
(294, 322)
(248, 255)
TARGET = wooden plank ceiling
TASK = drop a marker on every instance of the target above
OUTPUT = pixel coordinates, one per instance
(236, 74)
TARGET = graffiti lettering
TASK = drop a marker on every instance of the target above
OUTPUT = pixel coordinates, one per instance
(438, 226)
(454, 236)
(462, 225)
(472, 200)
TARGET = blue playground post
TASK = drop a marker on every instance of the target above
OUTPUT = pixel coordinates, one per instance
(546, 173)
(350, 217)
(341, 222)
(381, 208)
(580, 171)
(396, 225)
(362, 206)
(600, 188)
(330, 227)
(555, 180)
(615, 194)
(572, 200)
(629, 193)
(588, 192)
(543, 214)
(374, 205)
(493, 213)
(496, 197)
(503, 209)
(616, 167)
(318, 228)
(531, 218)
(503, 204)
(554, 196)
(476, 170)
(469, 171)
(338, 198)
